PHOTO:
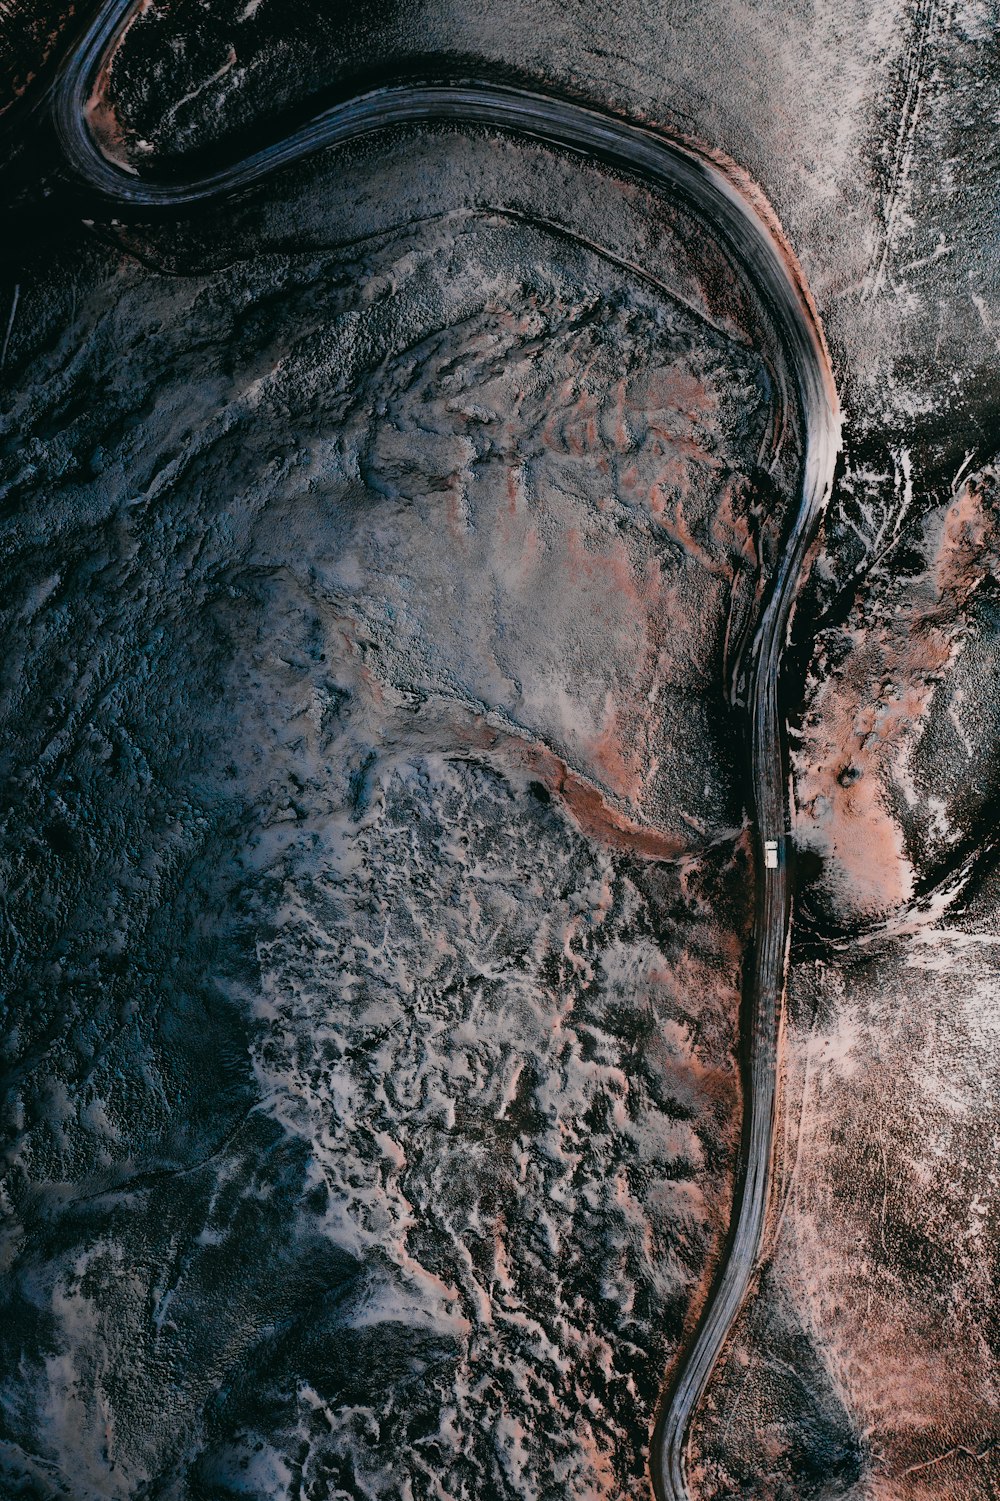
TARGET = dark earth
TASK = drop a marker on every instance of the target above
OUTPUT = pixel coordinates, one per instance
(375, 852)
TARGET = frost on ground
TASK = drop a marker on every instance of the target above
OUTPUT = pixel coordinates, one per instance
(377, 885)
(282, 1116)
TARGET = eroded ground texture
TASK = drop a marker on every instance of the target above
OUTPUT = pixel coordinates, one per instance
(377, 889)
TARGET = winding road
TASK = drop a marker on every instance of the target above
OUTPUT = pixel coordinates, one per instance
(740, 220)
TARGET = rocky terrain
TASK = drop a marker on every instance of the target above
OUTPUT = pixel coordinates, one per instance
(30, 38)
(377, 880)
(377, 887)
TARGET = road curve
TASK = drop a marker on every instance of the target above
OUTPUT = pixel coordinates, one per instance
(743, 223)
